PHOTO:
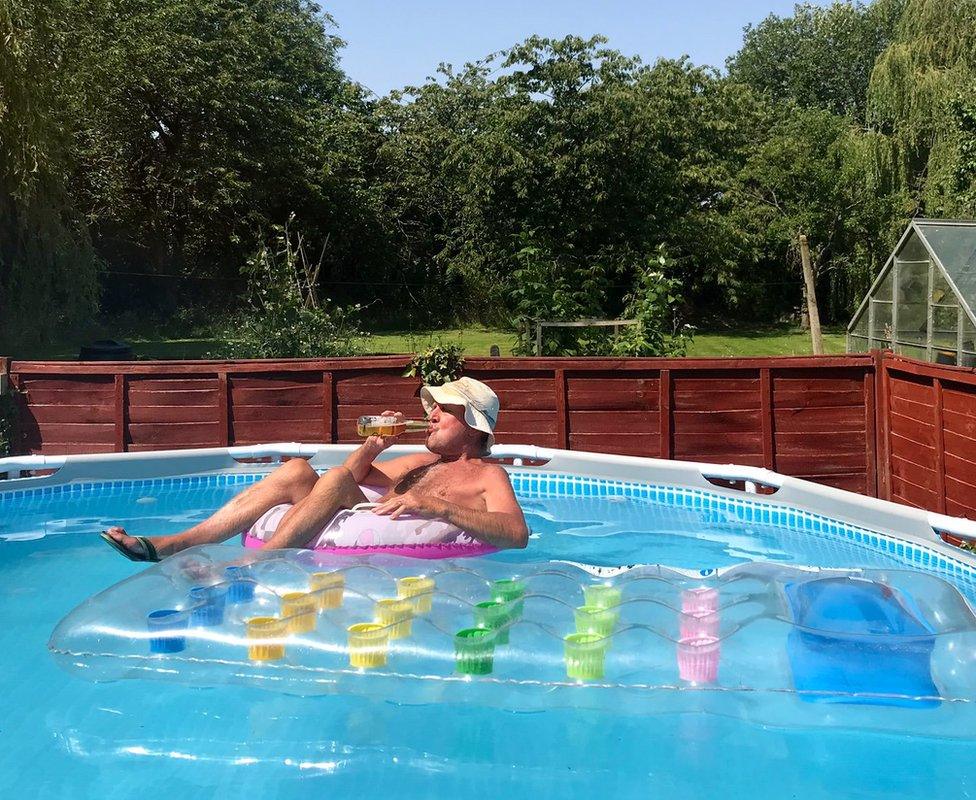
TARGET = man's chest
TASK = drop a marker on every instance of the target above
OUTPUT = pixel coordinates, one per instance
(441, 480)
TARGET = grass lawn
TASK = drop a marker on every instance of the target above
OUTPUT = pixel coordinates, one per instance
(759, 342)
(476, 341)
(748, 342)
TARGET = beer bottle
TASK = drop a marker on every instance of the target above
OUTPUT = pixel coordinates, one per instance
(387, 426)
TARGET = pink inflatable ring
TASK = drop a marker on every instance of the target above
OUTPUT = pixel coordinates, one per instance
(358, 531)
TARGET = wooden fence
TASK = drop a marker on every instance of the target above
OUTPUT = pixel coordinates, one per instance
(928, 442)
(877, 424)
(813, 417)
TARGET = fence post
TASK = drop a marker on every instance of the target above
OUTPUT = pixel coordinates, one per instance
(766, 410)
(562, 413)
(871, 431)
(810, 286)
(120, 411)
(664, 413)
(883, 425)
(940, 471)
(223, 409)
(328, 408)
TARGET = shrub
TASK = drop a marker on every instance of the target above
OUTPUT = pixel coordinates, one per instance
(437, 364)
(544, 288)
(287, 319)
(8, 413)
(544, 291)
(653, 303)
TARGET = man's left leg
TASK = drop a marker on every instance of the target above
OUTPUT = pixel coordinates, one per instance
(335, 490)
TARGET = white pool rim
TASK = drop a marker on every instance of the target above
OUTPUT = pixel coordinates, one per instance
(904, 523)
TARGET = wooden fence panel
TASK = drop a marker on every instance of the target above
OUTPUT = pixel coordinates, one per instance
(162, 412)
(824, 427)
(276, 407)
(931, 437)
(807, 416)
(608, 413)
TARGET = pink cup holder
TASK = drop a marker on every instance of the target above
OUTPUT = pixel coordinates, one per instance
(702, 600)
(698, 659)
(699, 625)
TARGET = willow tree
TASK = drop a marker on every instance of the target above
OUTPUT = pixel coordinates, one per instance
(920, 90)
(47, 268)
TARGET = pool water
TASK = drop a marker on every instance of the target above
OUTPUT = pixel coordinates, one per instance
(64, 737)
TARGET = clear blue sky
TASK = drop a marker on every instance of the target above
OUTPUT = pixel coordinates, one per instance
(392, 43)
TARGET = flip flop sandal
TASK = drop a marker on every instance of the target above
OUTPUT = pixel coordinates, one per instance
(150, 550)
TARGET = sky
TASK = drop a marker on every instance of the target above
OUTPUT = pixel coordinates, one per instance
(394, 43)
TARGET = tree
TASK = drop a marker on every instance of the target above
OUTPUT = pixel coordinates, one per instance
(568, 150)
(919, 88)
(809, 175)
(47, 267)
(200, 123)
(820, 57)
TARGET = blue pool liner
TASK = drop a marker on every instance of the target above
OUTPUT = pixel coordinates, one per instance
(866, 644)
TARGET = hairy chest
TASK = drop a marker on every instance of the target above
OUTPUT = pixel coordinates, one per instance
(447, 481)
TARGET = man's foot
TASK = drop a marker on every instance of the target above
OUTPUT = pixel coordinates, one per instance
(134, 548)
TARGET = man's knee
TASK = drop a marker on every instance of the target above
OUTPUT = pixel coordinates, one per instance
(336, 476)
(298, 473)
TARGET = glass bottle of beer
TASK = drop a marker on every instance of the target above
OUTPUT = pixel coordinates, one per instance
(387, 426)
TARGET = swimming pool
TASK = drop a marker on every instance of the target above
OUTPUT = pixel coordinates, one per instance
(66, 737)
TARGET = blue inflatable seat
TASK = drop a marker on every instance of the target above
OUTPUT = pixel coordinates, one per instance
(865, 643)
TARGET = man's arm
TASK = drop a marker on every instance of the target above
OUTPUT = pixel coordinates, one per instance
(501, 524)
(383, 474)
(387, 473)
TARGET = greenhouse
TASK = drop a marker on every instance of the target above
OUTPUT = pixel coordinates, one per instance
(921, 304)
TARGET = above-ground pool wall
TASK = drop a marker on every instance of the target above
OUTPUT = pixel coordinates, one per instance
(869, 423)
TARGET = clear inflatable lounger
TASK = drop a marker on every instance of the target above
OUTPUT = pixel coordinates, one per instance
(771, 642)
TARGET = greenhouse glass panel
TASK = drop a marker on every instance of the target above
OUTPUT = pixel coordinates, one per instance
(883, 292)
(912, 301)
(968, 343)
(955, 247)
(941, 291)
(858, 344)
(945, 333)
(881, 332)
(912, 351)
(913, 250)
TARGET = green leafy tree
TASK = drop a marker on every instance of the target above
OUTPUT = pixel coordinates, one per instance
(809, 175)
(47, 267)
(963, 110)
(925, 75)
(593, 157)
(818, 57)
(199, 123)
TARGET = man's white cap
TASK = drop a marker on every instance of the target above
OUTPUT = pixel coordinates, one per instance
(480, 403)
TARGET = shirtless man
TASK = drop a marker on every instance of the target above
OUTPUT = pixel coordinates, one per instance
(449, 482)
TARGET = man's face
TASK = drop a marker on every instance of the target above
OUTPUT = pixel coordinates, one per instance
(448, 432)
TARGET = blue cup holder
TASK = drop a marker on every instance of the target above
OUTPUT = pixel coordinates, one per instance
(207, 605)
(240, 588)
(166, 625)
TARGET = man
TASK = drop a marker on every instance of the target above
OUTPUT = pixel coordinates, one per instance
(449, 482)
